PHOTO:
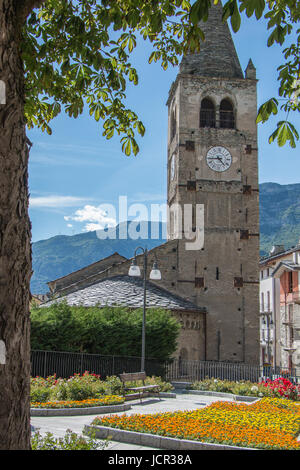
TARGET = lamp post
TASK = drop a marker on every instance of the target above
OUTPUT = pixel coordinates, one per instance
(155, 274)
(267, 320)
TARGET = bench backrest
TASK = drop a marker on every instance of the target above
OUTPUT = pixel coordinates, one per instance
(128, 377)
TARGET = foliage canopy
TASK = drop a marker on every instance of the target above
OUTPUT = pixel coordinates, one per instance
(77, 53)
(107, 331)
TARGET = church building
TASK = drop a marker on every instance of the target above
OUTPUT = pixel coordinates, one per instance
(212, 155)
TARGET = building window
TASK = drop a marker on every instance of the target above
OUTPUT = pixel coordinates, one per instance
(290, 281)
(268, 301)
(262, 302)
(226, 115)
(207, 113)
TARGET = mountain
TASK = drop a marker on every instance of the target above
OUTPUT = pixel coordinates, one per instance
(60, 255)
(279, 215)
(63, 254)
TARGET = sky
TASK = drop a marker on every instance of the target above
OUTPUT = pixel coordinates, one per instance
(75, 172)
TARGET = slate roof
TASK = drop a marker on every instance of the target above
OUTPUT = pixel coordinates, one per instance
(217, 56)
(128, 292)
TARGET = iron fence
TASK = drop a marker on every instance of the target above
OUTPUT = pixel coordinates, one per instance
(66, 364)
(189, 371)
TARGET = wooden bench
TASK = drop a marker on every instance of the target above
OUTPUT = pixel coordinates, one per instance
(130, 377)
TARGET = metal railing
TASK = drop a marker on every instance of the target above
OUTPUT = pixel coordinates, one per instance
(189, 371)
(66, 364)
(207, 118)
(227, 119)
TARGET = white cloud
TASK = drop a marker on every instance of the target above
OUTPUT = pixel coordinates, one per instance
(96, 217)
(56, 201)
(92, 227)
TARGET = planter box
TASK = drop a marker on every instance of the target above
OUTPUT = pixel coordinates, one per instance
(152, 440)
(79, 411)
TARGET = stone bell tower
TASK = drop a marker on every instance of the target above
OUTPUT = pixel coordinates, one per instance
(212, 163)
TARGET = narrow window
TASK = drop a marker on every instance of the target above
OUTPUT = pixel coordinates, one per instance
(262, 302)
(226, 115)
(217, 274)
(207, 113)
(173, 123)
(290, 281)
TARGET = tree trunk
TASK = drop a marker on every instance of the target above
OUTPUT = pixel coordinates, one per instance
(15, 249)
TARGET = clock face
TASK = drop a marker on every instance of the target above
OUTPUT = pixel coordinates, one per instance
(218, 158)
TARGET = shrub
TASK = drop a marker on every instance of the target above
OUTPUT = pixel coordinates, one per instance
(41, 389)
(113, 385)
(79, 387)
(277, 388)
(39, 394)
(83, 387)
(107, 331)
(70, 441)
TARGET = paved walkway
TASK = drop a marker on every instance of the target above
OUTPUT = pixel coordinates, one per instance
(58, 425)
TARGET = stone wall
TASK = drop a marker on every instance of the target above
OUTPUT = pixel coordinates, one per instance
(223, 276)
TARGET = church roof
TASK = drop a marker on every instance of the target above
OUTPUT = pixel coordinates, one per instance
(217, 56)
(125, 291)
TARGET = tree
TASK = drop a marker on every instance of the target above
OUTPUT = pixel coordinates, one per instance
(60, 55)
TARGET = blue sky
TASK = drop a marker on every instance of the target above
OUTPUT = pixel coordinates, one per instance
(75, 170)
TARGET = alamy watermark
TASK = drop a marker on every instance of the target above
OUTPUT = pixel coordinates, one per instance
(184, 221)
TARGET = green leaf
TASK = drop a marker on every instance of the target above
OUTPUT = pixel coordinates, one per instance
(235, 19)
(266, 109)
(284, 133)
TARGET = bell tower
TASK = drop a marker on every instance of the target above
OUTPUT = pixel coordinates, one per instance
(213, 164)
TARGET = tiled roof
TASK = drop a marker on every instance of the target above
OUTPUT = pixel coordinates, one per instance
(125, 291)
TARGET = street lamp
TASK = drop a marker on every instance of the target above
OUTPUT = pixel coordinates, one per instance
(268, 322)
(155, 275)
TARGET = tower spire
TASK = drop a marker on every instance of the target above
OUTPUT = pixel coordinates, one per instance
(217, 56)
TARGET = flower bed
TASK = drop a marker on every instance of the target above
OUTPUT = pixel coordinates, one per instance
(278, 388)
(107, 400)
(266, 424)
(81, 389)
(282, 387)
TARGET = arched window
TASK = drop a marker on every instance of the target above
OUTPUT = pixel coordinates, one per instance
(207, 113)
(226, 115)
